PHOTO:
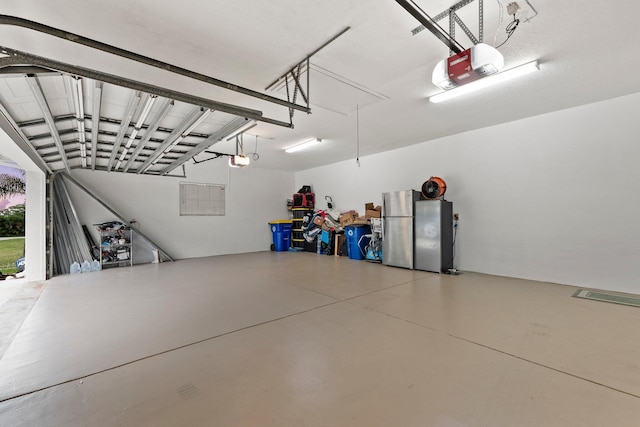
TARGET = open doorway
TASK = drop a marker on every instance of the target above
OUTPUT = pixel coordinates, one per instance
(12, 221)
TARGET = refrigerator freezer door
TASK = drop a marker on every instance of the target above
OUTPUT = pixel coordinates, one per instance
(433, 234)
(427, 244)
(398, 203)
(397, 242)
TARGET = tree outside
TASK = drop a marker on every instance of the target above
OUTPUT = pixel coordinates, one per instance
(12, 218)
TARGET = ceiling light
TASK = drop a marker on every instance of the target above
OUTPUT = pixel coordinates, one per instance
(486, 82)
(303, 146)
(238, 161)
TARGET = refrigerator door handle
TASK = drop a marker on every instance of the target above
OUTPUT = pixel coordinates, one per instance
(382, 228)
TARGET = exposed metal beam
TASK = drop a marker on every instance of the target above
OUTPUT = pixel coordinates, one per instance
(164, 110)
(20, 58)
(430, 24)
(173, 175)
(443, 14)
(57, 119)
(48, 117)
(172, 139)
(78, 97)
(19, 71)
(451, 13)
(62, 133)
(464, 27)
(76, 38)
(309, 55)
(124, 126)
(146, 109)
(95, 121)
(222, 133)
(14, 132)
(481, 20)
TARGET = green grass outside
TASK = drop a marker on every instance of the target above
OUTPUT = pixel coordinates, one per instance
(10, 251)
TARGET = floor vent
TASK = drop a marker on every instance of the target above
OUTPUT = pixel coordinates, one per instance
(605, 296)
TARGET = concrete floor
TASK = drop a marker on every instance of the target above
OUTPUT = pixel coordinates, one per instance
(285, 339)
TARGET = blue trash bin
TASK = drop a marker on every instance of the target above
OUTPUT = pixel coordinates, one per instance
(357, 240)
(281, 232)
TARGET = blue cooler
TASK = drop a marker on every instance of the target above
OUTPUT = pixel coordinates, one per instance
(281, 231)
(356, 243)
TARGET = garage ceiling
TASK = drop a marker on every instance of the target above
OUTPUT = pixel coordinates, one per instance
(377, 71)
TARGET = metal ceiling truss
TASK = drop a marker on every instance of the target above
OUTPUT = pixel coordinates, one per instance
(153, 126)
(76, 38)
(124, 127)
(95, 120)
(229, 128)
(20, 58)
(293, 77)
(136, 142)
(129, 152)
(48, 117)
(429, 23)
(13, 130)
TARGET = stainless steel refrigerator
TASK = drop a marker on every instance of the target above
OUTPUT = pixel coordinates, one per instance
(397, 228)
(433, 235)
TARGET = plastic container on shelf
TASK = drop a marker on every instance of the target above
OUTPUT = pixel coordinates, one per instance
(281, 232)
(357, 240)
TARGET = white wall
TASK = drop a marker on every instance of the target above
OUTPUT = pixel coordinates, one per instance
(35, 209)
(551, 198)
(254, 197)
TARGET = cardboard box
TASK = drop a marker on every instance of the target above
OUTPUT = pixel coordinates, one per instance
(361, 221)
(318, 221)
(348, 218)
(372, 212)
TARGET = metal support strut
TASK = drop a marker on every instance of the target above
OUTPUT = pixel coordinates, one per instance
(455, 19)
(20, 58)
(296, 71)
(75, 38)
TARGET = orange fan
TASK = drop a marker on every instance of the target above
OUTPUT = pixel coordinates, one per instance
(433, 188)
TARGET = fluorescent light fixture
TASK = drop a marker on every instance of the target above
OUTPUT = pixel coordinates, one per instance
(486, 82)
(303, 146)
(238, 161)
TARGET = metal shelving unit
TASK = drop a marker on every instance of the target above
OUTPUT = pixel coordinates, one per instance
(116, 245)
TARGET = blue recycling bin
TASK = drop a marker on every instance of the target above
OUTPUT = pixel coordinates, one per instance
(281, 231)
(357, 240)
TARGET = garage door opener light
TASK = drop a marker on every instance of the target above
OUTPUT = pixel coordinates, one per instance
(239, 160)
